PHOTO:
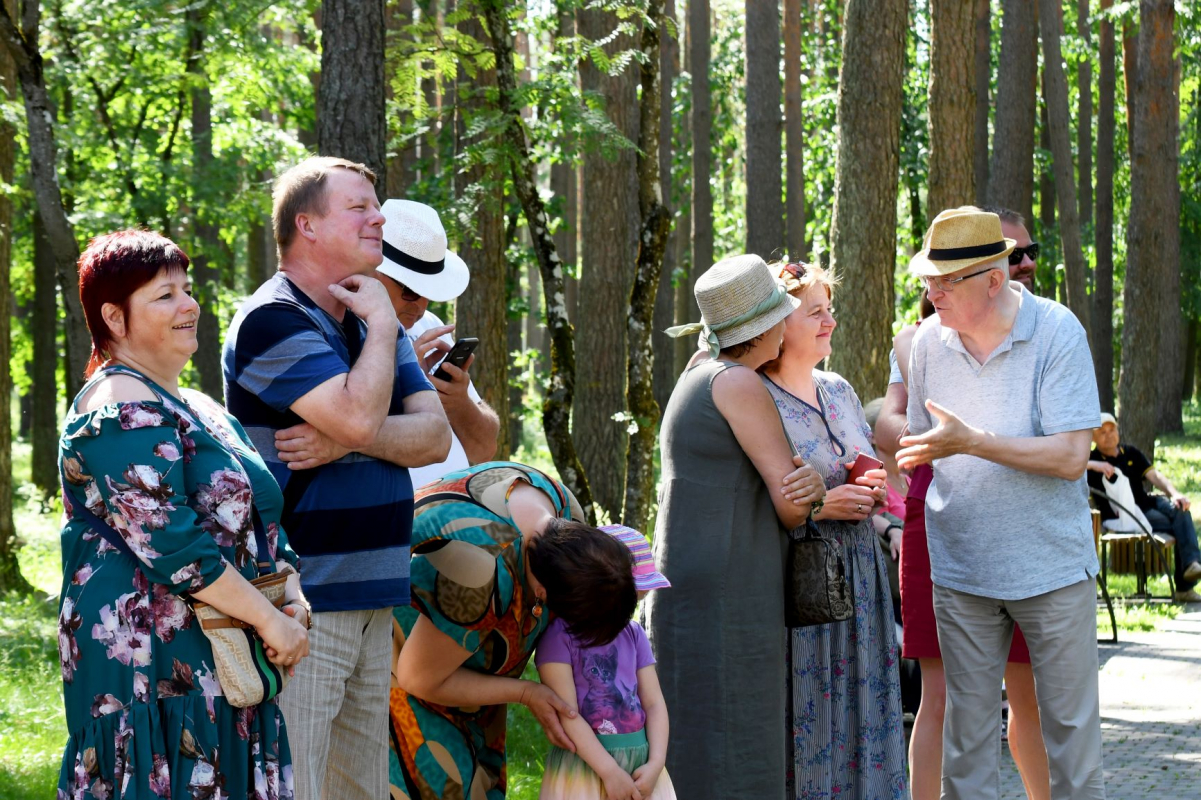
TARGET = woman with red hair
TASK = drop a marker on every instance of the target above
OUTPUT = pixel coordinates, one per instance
(166, 501)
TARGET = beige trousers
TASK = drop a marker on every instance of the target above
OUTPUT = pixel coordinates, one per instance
(974, 634)
(336, 708)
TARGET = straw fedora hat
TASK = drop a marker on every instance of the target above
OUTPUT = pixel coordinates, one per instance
(960, 238)
(739, 299)
(415, 252)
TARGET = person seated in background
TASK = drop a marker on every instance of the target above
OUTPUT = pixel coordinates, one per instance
(416, 269)
(1168, 514)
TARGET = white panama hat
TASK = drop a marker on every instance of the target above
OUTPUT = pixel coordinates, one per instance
(415, 252)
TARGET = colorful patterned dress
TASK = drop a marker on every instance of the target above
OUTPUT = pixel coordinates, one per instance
(468, 578)
(845, 720)
(145, 713)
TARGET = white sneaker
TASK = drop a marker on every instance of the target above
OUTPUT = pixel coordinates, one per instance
(1193, 571)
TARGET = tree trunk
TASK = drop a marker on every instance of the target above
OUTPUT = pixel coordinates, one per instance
(794, 132)
(1190, 359)
(556, 405)
(864, 228)
(1103, 279)
(43, 427)
(1153, 226)
(482, 310)
(702, 155)
(764, 204)
(564, 184)
(206, 252)
(1130, 75)
(22, 48)
(610, 246)
(350, 105)
(686, 242)
(1084, 121)
(652, 243)
(662, 344)
(1171, 334)
(10, 567)
(1011, 176)
(1056, 87)
(983, 43)
(952, 106)
(1046, 200)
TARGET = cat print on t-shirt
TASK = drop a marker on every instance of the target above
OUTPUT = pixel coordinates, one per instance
(605, 677)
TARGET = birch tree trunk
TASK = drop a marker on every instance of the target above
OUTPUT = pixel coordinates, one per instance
(865, 191)
(10, 569)
(556, 405)
(1154, 224)
(652, 243)
(22, 47)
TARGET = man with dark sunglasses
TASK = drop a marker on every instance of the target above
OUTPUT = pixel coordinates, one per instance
(416, 269)
(1025, 252)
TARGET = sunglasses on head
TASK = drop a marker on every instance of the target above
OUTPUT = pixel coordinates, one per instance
(795, 269)
(1015, 257)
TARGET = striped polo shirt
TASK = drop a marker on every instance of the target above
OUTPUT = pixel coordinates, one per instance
(352, 524)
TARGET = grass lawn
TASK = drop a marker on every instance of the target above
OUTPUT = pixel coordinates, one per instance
(32, 726)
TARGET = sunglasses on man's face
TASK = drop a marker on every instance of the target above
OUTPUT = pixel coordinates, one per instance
(408, 295)
(1018, 253)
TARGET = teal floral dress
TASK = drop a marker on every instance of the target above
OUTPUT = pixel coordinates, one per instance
(145, 713)
(468, 579)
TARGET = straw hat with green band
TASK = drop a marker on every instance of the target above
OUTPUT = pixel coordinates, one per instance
(739, 299)
(960, 238)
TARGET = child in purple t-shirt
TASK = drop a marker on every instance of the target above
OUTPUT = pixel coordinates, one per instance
(621, 731)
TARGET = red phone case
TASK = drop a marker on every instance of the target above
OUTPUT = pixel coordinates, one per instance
(863, 463)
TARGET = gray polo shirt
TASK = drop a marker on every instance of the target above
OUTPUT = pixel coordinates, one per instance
(995, 531)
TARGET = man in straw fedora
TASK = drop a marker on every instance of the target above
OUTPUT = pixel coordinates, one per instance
(1003, 401)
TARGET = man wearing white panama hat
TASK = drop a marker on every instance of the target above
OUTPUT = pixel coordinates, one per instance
(1003, 400)
(416, 269)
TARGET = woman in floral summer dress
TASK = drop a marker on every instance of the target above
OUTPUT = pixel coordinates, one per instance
(177, 478)
(845, 723)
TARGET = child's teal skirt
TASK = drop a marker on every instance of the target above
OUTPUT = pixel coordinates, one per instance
(568, 777)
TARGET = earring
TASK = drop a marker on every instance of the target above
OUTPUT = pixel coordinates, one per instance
(537, 610)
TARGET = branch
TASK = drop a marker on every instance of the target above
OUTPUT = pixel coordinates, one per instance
(15, 42)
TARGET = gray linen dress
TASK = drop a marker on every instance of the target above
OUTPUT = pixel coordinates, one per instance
(718, 633)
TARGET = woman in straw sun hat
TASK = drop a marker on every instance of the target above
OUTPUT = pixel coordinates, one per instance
(730, 491)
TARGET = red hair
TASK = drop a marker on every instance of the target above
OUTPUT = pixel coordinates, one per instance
(115, 266)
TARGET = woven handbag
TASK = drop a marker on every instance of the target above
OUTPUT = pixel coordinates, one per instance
(246, 675)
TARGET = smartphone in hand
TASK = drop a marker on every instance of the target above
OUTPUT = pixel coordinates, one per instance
(863, 462)
(458, 356)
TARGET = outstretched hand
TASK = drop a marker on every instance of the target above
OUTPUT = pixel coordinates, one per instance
(951, 436)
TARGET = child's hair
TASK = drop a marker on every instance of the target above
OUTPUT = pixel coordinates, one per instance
(588, 577)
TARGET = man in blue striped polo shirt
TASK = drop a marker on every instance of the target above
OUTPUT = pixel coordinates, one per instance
(315, 354)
